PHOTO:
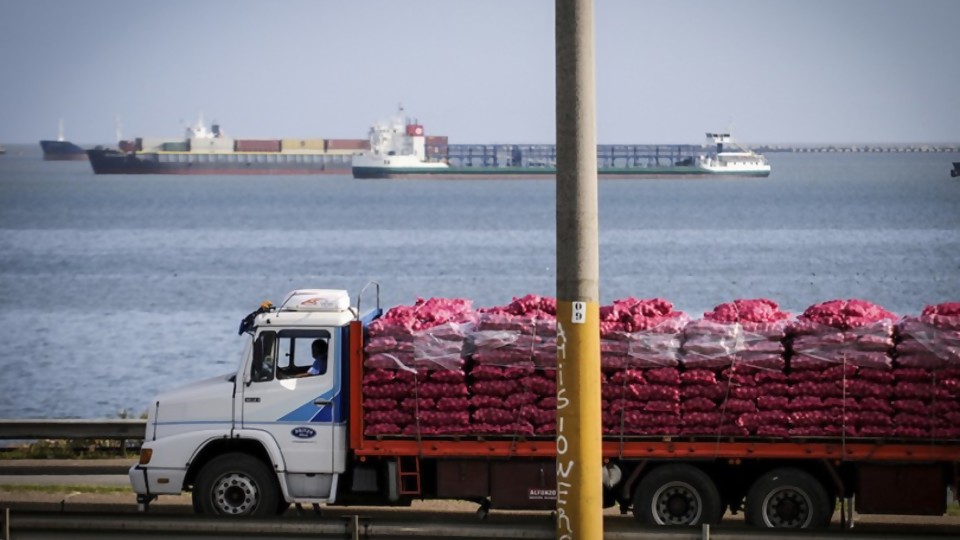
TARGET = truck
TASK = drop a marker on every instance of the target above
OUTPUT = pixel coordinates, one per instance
(267, 435)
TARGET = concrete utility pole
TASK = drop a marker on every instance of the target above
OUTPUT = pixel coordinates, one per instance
(579, 497)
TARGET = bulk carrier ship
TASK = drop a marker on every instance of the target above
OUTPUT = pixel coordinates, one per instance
(61, 149)
(399, 148)
(204, 151)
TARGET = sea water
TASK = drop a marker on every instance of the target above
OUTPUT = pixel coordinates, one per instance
(113, 288)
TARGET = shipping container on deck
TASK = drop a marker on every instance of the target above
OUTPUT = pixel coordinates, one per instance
(292, 145)
(153, 144)
(435, 147)
(175, 146)
(216, 144)
(436, 152)
(257, 145)
(356, 145)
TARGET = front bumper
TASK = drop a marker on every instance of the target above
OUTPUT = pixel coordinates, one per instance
(156, 481)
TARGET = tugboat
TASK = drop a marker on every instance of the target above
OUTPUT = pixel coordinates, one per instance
(744, 162)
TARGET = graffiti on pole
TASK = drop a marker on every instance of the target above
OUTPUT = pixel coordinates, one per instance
(564, 463)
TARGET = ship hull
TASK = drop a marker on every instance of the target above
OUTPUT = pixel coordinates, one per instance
(105, 161)
(62, 151)
(365, 172)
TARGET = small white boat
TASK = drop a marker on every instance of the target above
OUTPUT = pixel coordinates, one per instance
(743, 162)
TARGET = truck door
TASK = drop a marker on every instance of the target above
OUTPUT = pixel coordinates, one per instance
(297, 405)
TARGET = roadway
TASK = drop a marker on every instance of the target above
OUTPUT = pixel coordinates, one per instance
(52, 513)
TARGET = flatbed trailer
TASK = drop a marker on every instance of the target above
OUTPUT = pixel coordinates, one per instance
(882, 477)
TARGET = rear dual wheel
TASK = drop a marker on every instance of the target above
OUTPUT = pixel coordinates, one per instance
(677, 495)
(788, 498)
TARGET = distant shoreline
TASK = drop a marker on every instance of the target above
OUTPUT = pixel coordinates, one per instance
(857, 148)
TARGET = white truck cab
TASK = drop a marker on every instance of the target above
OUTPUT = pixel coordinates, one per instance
(272, 433)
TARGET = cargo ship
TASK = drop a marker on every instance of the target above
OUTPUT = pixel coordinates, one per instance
(61, 149)
(205, 151)
(399, 148)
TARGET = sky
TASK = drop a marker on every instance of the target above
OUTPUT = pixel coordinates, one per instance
(772, 71)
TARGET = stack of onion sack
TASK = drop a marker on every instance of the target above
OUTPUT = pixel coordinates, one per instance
(926, 397)
(639, 351)
(841, 370)
(414, 381)
(733, 370)
(512, 379)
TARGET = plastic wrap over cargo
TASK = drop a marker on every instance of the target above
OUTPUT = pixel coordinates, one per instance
(639, 351)
(440, 368)
(843, 331)
(514, 351)
(733, 370)
(931, 340)
(640, 333)
(840, 377)
(926, 395)
(414, 369)
(747, 332)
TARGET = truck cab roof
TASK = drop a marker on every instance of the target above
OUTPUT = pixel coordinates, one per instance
(314, 308)
(306, 318)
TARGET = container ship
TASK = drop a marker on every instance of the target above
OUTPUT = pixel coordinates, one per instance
(204, 151)
(61, 149)
(399, 148)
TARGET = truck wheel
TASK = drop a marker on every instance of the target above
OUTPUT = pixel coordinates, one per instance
(788, 499)
(677, 495)
(236, 485)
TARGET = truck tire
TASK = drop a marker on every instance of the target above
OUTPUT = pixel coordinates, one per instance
(788, 499)
(236, 485)
(677, 495)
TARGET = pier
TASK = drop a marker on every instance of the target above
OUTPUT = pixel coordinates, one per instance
(641, 155)
(545, 155)
(858, 147)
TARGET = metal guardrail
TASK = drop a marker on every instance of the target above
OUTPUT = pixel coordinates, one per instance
(32, 524)
(119, 429)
